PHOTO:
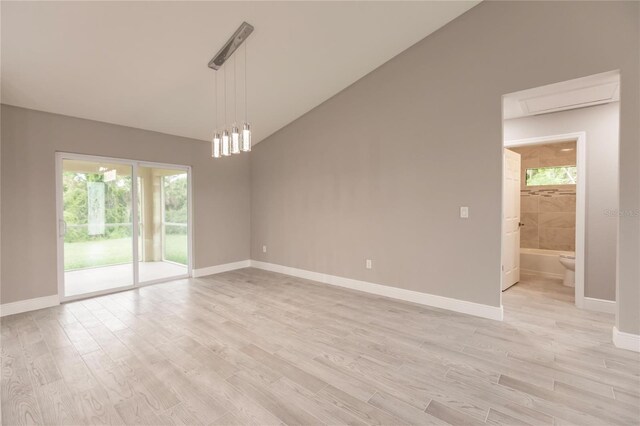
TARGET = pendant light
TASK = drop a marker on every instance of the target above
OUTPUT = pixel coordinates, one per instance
(235, 140)
(215, 147)
(246, 127)
(225, 142)
(235, 135)
(215, 142)
(246, 137)
(226, 148)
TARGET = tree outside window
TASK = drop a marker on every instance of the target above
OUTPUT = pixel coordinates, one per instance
(563, 175)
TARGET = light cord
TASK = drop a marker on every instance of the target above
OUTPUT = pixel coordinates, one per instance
(235, 92)
(215, 98)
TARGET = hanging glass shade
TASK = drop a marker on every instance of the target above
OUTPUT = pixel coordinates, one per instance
(215, 145)
(226, 148)
(246, 137)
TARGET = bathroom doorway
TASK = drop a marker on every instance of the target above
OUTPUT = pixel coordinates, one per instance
(566, 136)
(549, 213)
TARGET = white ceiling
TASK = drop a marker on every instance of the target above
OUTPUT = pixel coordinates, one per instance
(577, 93)
(144, 64)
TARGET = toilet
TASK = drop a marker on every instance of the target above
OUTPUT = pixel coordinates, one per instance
(569, 263)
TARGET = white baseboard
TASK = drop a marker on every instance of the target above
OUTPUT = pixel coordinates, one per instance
(29, 305)
(462, 306)
(626, 340)
(599, 305)
(465, 307)
(210, 270)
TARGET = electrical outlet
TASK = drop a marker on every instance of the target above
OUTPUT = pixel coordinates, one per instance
(464, 212)
(264, 249)
(368, 264)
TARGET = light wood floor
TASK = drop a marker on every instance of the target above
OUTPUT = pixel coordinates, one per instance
(254, 347)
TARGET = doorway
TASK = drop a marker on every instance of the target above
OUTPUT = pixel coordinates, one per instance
(584, 115)
(105, 244)
(546, 184)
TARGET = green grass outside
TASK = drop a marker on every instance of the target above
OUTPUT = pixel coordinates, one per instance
(175, 248)
(91, 254)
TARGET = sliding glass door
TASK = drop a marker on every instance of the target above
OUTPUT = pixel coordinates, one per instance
(164, 200)
(97, 224)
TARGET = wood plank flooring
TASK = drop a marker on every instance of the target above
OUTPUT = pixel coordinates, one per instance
(255, 347)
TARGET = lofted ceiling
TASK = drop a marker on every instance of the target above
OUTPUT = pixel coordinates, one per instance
(144, 64)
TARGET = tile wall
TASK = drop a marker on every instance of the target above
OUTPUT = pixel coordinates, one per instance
(548, 212)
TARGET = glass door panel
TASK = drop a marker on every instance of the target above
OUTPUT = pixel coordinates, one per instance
(97, 226)
(163, 195)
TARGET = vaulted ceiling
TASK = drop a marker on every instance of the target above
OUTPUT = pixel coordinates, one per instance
(144, 64)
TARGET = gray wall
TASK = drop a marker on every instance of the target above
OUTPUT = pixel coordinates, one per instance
(601, 124)
(380, 170)
(29, 142)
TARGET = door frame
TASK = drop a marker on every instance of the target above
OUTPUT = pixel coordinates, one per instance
(135, 164)
(581, 205)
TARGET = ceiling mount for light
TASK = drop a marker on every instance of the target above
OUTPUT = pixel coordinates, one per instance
(231, 45)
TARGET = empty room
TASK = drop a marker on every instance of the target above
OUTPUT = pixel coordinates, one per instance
(323, 212)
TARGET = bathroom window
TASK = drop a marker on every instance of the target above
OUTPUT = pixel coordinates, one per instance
(563, 175)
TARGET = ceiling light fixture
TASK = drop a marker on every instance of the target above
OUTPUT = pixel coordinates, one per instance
(246, 127)
(234, 142)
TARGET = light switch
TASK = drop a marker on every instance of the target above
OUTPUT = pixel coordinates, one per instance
(464, 212)
(368, 264)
